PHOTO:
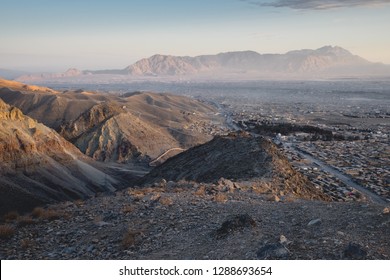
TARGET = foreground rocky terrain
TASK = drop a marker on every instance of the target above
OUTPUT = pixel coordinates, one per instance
(272, 212)
(187, 220)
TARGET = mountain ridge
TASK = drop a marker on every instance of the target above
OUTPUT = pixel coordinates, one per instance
(332, 61)
(38, 166)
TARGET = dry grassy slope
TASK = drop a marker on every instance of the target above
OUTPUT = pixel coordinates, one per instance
(239, 157)
(37, 165)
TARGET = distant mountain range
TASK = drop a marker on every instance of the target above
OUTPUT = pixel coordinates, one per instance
(327, 61)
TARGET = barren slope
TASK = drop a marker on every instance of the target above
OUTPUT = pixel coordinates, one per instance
(187, 221)
(49, 107)
(238, 157)
(38, 166)
(140, 126)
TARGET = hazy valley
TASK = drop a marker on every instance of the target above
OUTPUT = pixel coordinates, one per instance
(124, 164)
(325, 62)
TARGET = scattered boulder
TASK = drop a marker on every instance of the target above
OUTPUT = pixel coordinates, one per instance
(235, 223)
(354, 251)
(314, 222)
(225, 185)
(273, 251)
(386, 211)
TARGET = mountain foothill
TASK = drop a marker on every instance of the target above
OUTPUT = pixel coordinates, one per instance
(71, 145)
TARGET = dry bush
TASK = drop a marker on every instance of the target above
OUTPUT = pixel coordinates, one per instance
(25, 220)
(220, 197)
(37, 212)
(47, 214)
(26, 243)
(11, 216)
(128, 209)
(130, 238)
(6, 231)
(201, 191)
(136, 194)
(166, 201)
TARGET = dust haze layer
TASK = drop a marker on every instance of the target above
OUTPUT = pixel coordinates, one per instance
(327, 61)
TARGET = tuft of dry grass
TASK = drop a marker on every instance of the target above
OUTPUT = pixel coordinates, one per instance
(37, 212)
(220, 197)
(201, 191)
(6, 231)
(25, 220)
(47, 214)
(26, 243)
(166, 201)
(128, 209)
(130, 238)
(11, 216)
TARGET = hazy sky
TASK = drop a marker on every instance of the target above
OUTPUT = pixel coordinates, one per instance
(55, 35)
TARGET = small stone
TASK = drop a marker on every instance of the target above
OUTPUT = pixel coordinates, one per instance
(163, 182)
(314, 222)
(238, 222)
(273, 251)
(102, 224)
(386, 210)
(68, 250)
(283, 239)
(354, 251)
(171, 184)
(90, 248)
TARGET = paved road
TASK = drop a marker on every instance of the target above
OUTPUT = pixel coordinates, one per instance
(163, 154)
(342, 177)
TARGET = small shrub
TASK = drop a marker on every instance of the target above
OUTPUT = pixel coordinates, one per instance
(26, 243)
(128, 209)
(37, 212)
(6, 231)
(11, 216)
(130, 238)
(25, 220)
(47, 214)
(220, 197)
(200, 191)
(166, 201)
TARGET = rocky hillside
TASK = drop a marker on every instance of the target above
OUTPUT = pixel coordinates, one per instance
(140, 127)
(136, 127)
(38, 166)
(239, 157)
(198, 221)
(49, 107)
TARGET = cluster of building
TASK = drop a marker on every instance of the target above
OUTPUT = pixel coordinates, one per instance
(366, 162)
(321, 179)
(359, 150)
